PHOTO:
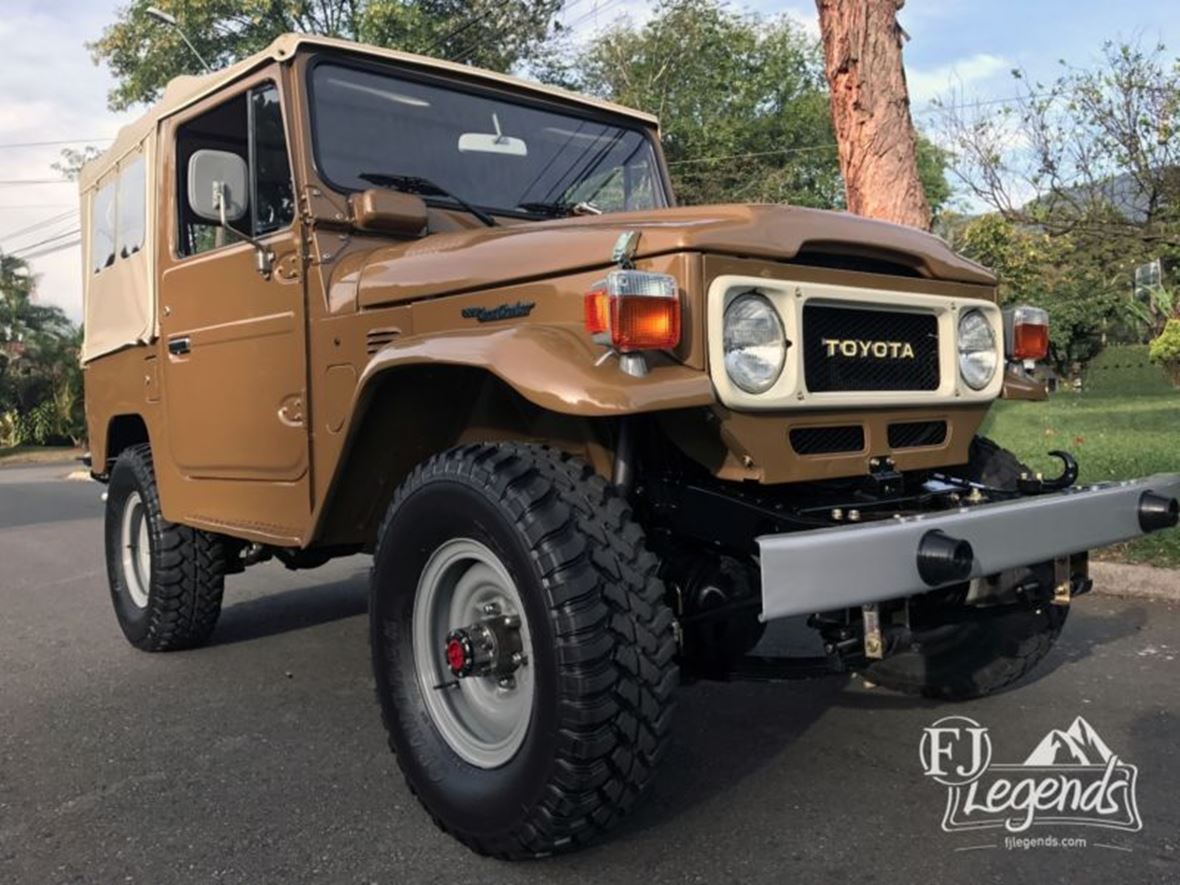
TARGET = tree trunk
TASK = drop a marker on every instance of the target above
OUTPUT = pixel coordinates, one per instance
(871, 110)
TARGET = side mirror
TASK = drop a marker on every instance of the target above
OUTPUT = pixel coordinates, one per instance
(218, 190)
(218, 186)
(391, 212)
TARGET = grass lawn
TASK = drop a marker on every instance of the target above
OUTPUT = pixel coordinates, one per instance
(1113, 437)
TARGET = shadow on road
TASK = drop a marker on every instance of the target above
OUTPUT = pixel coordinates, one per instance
(291, 610)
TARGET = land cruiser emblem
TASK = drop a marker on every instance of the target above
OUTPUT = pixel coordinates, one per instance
(854, 348)
(500, 312)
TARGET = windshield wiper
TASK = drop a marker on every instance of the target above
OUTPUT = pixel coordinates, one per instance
(558, 209)
(413, 184)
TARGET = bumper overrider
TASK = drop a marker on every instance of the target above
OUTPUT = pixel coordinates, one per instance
(852, 565)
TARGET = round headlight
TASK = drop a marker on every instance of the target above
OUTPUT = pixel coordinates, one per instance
(978, 359)
(755, 344)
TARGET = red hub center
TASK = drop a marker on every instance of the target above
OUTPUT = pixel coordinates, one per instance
(459, 653)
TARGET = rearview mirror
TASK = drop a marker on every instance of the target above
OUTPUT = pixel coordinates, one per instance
(492, 142)
(217, 185)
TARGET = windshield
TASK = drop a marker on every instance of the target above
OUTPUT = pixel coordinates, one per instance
(499, 155)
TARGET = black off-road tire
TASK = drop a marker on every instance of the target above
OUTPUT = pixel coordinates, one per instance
(602, 636)
(970, 660)
(187, 573)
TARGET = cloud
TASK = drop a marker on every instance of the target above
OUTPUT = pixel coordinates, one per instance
(806, 19)
(925, 84)
(53, 91)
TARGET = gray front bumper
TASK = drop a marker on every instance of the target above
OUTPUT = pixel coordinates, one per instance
(826, 569)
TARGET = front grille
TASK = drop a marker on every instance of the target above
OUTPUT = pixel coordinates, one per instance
(912, 434)
(827, 440)
(866, 349)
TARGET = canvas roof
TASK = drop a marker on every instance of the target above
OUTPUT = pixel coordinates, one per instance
(183, 91)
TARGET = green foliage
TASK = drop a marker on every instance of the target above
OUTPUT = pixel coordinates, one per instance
(1125, 369)
(40, 379)
(1118, 436)
(1086, 286)
(932, 166)
(741, 98)
(1085, 168)
(144, 54)
(1166, 348)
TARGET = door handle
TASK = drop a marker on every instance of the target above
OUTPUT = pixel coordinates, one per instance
(178, 346)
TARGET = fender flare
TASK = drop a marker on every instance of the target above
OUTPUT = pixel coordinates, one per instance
(552, 366)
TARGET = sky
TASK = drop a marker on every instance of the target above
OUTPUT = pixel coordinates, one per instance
(51, 91)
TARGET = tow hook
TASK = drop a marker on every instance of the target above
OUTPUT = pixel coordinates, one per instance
(490, 647)
(1036, 485)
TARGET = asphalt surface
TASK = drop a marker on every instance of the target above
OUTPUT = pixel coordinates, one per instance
(261, 758)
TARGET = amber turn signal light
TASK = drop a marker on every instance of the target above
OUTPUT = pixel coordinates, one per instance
(597, 304)
(1027, 331)
(639, 310)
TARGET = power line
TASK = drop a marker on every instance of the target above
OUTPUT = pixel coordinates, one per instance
(48, 240)
(49, 251)
(14, 182)
(45, 222)
(593, 12)
(499, 32)
(934, 106)
(794, 150)
(473, 20)
(34, 144)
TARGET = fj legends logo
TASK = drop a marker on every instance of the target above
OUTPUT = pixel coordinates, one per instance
(1072, 777)
(860, 348)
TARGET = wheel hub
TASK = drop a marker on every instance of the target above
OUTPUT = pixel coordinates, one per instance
(471, 650)
(490, 647)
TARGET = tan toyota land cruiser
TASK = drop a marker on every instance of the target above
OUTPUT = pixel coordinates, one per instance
(341, 299)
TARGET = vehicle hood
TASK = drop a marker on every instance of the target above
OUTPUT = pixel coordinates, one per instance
(447, 263)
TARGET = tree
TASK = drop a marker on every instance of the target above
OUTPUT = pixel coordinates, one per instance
(1083, 288)
(1089, 167)
(71, 160)
(40, 379)
(1094, 154)
(740, 99)
(143, 55)
(871, 110)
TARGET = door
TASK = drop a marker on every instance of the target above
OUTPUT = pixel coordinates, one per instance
(232, 336)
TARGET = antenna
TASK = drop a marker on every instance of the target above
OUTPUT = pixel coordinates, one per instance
(170, 20)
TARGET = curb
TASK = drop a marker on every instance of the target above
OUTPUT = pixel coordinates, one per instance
(1136, 581)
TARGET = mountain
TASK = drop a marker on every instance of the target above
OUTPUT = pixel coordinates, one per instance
(1077, 745)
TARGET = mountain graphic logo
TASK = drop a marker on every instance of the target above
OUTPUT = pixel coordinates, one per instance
(1071, 777)
(1077, 745)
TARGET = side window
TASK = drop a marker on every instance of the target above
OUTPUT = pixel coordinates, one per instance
(102, 228)
(251, 126)
(274, 197)
(132, 208)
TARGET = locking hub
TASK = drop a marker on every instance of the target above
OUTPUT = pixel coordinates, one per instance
(489, 647)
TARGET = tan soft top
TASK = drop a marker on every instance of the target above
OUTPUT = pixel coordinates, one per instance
(183, 91)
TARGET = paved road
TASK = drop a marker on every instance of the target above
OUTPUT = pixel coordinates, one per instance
(261, 758)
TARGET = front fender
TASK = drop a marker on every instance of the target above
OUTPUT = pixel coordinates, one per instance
(552, 366)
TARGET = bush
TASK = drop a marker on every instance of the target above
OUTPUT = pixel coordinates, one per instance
(1165, 350)
(1125, 369)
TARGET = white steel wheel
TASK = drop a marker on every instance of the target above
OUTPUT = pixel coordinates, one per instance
(135, 543)
(464, 594)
